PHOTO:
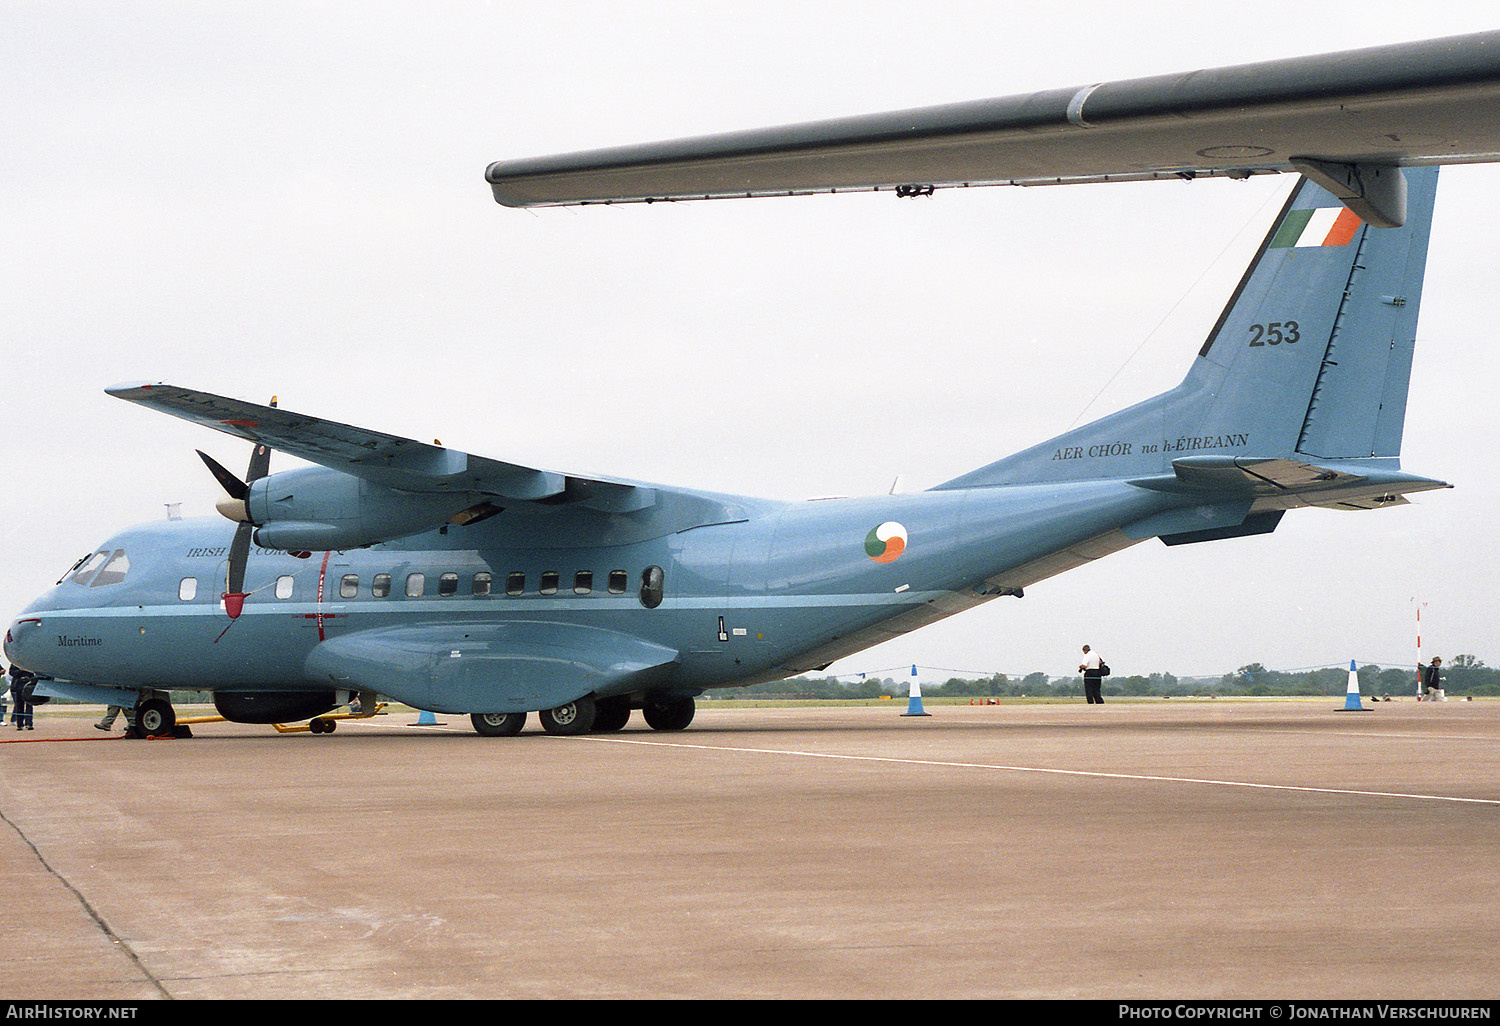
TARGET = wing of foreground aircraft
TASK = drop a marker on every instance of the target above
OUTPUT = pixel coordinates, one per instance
(1346, 120)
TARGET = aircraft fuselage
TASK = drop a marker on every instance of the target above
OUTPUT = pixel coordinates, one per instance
(788, 588)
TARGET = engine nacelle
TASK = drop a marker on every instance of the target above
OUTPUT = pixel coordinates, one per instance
(273, 706)
(314, 508)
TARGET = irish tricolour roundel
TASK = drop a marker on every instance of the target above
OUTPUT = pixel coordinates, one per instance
(886, 542)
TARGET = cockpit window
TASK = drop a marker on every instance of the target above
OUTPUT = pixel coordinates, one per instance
(115, 566)
(85, 567)
(114, 571)
(99, 569)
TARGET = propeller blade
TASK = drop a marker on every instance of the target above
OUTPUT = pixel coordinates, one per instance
(234, 583)
(236, 488)
(260, 463)
(239, 491)
(239, 552)
(260, 459)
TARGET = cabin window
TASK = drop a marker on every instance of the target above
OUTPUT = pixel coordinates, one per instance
(349, 586)
(481, 586)
(549, 582)
(113, 571)
(515, 583)
(284, 586)
(652, 581)
(619, 580)
(415, 585)
(188, 589)
(380, 587)
(583, 582)
(448, 584)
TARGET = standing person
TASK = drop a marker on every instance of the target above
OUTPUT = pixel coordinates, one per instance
(1432, 680)
(21, 683)
(1093, 670)
(2, 699)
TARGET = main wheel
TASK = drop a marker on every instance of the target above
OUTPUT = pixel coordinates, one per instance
(611, 715)
(155, 717)
(673, 714)
(498, 724)
(571, 719)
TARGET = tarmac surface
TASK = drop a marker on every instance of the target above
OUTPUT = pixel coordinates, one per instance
(1135, 850)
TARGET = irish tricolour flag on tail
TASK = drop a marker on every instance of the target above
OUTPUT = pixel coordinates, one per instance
(1324, 226)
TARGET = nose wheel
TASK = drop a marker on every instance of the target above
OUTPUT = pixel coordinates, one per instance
(155, 717)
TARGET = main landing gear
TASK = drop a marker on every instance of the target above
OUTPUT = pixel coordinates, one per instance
(590, 716)
(498, 724)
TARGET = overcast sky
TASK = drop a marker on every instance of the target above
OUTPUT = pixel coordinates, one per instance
(267, 198)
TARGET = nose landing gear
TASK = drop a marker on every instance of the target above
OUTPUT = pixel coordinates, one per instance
(155, 717)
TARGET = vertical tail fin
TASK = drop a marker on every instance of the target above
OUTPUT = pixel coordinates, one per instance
(1310, 359)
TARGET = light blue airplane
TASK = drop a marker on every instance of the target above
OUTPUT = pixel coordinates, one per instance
(460, 584)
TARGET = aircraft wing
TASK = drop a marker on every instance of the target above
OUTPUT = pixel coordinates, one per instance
(388, 460)
(1337, 117)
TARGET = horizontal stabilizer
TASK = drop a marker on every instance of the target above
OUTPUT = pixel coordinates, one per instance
(1275, 483)
(1264, 476)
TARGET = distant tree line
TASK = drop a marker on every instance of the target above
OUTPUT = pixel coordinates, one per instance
(1463, 675)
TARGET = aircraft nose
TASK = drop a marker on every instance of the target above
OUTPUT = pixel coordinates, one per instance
(16, 639)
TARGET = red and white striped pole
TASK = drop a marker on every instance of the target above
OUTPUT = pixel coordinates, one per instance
(1419, 649)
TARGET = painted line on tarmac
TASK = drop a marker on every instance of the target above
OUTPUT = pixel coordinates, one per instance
(1049, 770)
(1386, 735)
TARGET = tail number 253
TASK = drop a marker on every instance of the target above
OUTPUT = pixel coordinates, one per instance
(1275, 333)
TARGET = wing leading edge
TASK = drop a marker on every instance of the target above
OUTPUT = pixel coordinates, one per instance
(1339, 118)
(406, 465)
